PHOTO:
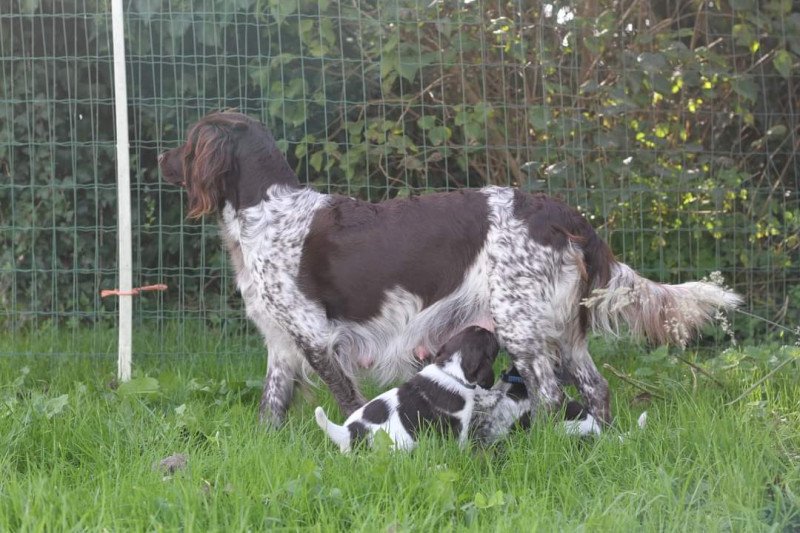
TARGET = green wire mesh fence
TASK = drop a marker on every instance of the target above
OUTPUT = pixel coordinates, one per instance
(672, 125)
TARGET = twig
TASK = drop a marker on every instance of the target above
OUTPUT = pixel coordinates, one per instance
(768, 321)
(701, 370)
(699, 19)
(762, 380)
(631, 381)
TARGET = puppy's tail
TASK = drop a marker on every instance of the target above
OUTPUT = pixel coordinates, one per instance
(661, 313)
(338, 434)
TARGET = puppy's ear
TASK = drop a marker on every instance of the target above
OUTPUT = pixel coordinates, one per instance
(477, 358)
(209, 159)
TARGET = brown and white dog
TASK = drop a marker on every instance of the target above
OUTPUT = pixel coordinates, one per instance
(342, 284)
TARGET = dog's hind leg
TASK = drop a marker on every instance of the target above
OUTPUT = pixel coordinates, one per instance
(583, 373)
(523, 305)
(525, 330)
(536, 368)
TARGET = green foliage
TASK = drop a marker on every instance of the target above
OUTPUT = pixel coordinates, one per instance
(672, 128)
(139, 386)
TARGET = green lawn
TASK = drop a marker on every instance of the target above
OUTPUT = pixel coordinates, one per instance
(76, 454)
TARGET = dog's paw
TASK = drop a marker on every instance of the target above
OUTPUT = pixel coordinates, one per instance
(269, 421)
(171, 464)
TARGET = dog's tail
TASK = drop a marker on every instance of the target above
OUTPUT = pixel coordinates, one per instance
(338, 434)
(661, 313)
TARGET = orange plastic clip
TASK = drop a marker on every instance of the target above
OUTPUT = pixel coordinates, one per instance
(132, 292)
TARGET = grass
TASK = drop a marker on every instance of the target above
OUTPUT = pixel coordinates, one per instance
(76, 454)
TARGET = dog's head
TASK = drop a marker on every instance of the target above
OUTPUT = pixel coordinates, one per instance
(227, 157)
(478, 349)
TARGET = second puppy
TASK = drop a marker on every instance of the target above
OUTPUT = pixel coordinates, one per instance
(441, 396)
(507, 405)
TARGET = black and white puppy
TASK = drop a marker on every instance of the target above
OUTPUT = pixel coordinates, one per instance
(507, 405)
(440, 396)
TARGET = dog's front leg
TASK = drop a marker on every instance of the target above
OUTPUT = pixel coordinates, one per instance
(277, 393)
(284, 361)
(338, 381)
(285, 354)
(305, 323)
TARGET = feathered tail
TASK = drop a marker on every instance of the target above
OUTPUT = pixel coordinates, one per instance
(661, 313)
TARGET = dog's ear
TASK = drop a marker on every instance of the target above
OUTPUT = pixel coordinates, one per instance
(209, 159)
(477, 357)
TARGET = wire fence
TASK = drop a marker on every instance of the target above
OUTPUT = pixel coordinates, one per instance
(671, 125)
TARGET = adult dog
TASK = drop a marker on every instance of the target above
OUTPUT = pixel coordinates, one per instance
(343, 284)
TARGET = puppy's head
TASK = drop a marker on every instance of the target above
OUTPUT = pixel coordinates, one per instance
(478, 348)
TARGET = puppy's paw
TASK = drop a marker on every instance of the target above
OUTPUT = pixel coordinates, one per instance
(642, 421)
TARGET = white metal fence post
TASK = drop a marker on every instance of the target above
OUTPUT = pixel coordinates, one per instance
(123, 195)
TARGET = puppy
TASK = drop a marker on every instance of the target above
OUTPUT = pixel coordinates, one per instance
(440, 396)
(507, 405)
